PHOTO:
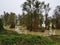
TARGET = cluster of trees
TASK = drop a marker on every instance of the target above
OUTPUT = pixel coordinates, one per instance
(9, 19)
(33, 18)
(56, 17)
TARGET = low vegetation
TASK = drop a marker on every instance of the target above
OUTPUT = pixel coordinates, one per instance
(12, 38)
(1, 25)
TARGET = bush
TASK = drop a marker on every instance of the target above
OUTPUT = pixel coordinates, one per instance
(1, 25)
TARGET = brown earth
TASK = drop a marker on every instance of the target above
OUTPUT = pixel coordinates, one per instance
(46, 33)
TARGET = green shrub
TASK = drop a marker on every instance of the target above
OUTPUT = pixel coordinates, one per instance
(1, 25)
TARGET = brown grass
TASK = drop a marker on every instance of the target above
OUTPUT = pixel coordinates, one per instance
(46, 33)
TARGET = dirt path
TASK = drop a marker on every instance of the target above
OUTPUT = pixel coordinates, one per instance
(24, 31)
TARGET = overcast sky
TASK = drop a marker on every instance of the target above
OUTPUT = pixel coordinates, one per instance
(15, 5)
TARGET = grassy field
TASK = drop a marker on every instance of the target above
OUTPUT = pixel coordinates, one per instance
(8, 37)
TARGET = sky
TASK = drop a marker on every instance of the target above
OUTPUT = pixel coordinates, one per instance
(15, 6)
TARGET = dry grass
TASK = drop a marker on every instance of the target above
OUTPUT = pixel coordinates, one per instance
(7, 27)
(24, 31)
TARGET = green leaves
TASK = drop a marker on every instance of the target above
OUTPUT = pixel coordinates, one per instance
(1, 25)
(24, 40)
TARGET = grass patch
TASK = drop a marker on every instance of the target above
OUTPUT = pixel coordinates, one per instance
(56, 39)
(24, 40)
(12, 38)
(8, 32)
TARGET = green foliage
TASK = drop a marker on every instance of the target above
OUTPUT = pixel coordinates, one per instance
(6, 18)
(55, 39)
(9, 19)
(1, 25)
(35, 12)
(12, 20)
(24, 40)
(8, 32)
(12, 38)
(56, 17)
